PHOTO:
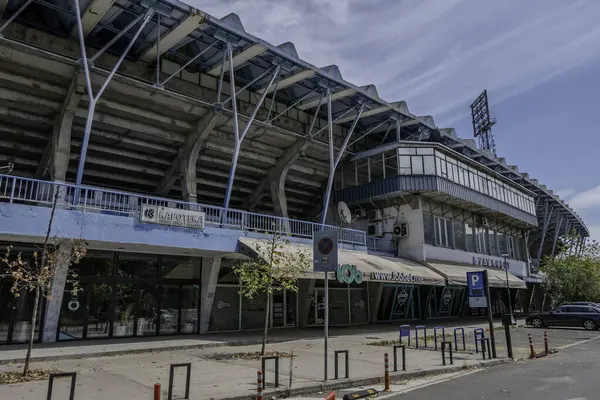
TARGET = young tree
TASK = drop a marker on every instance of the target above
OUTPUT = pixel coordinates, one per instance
(574, 273)
(277, 268)
(36, 275)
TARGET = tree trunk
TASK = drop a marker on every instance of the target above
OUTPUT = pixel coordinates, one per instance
(267, 309)
(34, 313)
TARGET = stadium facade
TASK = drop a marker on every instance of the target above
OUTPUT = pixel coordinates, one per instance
(128, 121)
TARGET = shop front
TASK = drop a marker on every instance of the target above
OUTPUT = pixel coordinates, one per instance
(453, 298)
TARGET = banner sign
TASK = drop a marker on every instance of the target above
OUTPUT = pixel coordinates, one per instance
(172, 217)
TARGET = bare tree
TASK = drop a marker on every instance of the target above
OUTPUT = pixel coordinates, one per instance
(36, 275)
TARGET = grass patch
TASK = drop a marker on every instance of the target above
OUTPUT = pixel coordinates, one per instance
(9, 378)
(254, 355)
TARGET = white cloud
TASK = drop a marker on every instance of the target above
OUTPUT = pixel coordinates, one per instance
(595, 232)
(585, 200)
(565, 194)
(435, 54)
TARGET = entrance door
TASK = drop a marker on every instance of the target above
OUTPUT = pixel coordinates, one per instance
(403, 307)
(450, 302)
(278, 308)
(319, 306)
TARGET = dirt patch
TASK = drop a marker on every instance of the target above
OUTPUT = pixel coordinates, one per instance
(8, 378)
(255, 355)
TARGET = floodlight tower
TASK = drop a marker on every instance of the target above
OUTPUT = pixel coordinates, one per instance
(482, 123)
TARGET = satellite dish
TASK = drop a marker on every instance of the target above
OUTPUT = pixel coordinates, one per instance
(344, 212)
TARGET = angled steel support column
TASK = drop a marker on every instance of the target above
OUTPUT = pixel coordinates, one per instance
(187, 156)
(14, 15)
(546, 224)
(334, 161)
(55, 160)
(275, 179)
(557, 231)
(239, 137)
(94, 99)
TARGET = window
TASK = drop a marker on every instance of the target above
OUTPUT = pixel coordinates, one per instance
(459, 235)
(428, 229)
(481, 241)
(493, 244)
(429, 165)
(405, 165)
(417, 165)
(511, 247)
(443, 232)
(501, 243)
(470, 238)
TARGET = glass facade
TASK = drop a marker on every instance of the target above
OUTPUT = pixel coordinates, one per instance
(434, 162)
(129, 294)
(455, 234)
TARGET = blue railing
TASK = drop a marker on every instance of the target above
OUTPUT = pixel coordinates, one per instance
(15, 189)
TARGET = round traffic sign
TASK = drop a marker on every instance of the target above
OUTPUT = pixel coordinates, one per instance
(325, 246)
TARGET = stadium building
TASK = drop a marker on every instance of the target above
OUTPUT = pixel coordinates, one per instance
(170, 141)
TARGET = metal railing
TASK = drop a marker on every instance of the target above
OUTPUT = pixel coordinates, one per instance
(15, 189)
(380, 245)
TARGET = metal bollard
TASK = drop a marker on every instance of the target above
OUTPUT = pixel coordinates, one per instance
(435, 335)
(403, 347)
(424, 328)
(479, 334)
(259, 386)
(462, 331)
(546, 343)
(157, 391)
(447, 344)
(531, 350)
(405, 331)
(387, 373)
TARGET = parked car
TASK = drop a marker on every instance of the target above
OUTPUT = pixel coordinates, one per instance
(584, 316)
(581, 303)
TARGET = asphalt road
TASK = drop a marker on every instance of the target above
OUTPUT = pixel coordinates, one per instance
(571, 374)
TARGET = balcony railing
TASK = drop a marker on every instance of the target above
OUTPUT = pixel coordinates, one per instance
(380, 245)
(15, 189)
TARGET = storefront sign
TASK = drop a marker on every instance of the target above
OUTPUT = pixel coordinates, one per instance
(396, 277)
(221, 305)
(490, 262)
(172, 217)
(349, 274)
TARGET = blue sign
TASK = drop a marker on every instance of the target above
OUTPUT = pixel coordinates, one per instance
(475, 284)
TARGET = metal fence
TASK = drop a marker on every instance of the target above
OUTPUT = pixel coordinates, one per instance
(15, 189)
(380, 245)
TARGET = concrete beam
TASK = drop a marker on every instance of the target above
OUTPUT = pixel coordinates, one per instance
(187, 157)
(187, 26)
(92, 15)
(55, 160)
(210, 276)
(290, 80)
(239, 59)
(334, 96)
(370, 113)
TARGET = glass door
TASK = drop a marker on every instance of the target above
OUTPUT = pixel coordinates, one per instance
(277, 311)
(403, 306)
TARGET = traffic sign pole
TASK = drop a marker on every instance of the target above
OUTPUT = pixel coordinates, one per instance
(489, 308)
(326, 322)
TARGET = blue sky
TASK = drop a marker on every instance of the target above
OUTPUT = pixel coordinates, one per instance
(538, 59)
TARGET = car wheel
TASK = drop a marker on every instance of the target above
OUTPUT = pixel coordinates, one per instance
(589, 325)
(537, 323)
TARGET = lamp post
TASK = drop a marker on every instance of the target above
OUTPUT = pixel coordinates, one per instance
(510, 309)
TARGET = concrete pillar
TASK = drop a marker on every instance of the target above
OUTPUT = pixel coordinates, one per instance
(210, 276)
(306, 290)
(189, 185)
(54, 303)
(375, 291)
(413, 247)
(278, 197)
(55, 160)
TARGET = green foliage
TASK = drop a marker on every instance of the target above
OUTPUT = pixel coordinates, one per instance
(574, 274)
(278, 266)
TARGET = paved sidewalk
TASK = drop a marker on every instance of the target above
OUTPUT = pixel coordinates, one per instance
(217, 375)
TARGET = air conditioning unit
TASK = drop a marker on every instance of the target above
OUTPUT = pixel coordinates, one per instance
(360, 214)
(375, 229)
(401, 230)
(484, 222)
(374, 214)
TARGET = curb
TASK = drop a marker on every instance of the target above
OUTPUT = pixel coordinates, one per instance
(327, 387)
(113, 353)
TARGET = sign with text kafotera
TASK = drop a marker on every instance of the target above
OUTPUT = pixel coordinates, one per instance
(476, 287)
(172, 217)
(325, 251)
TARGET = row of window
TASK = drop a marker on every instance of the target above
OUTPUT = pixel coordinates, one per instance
(455, 234)
(426, 161)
